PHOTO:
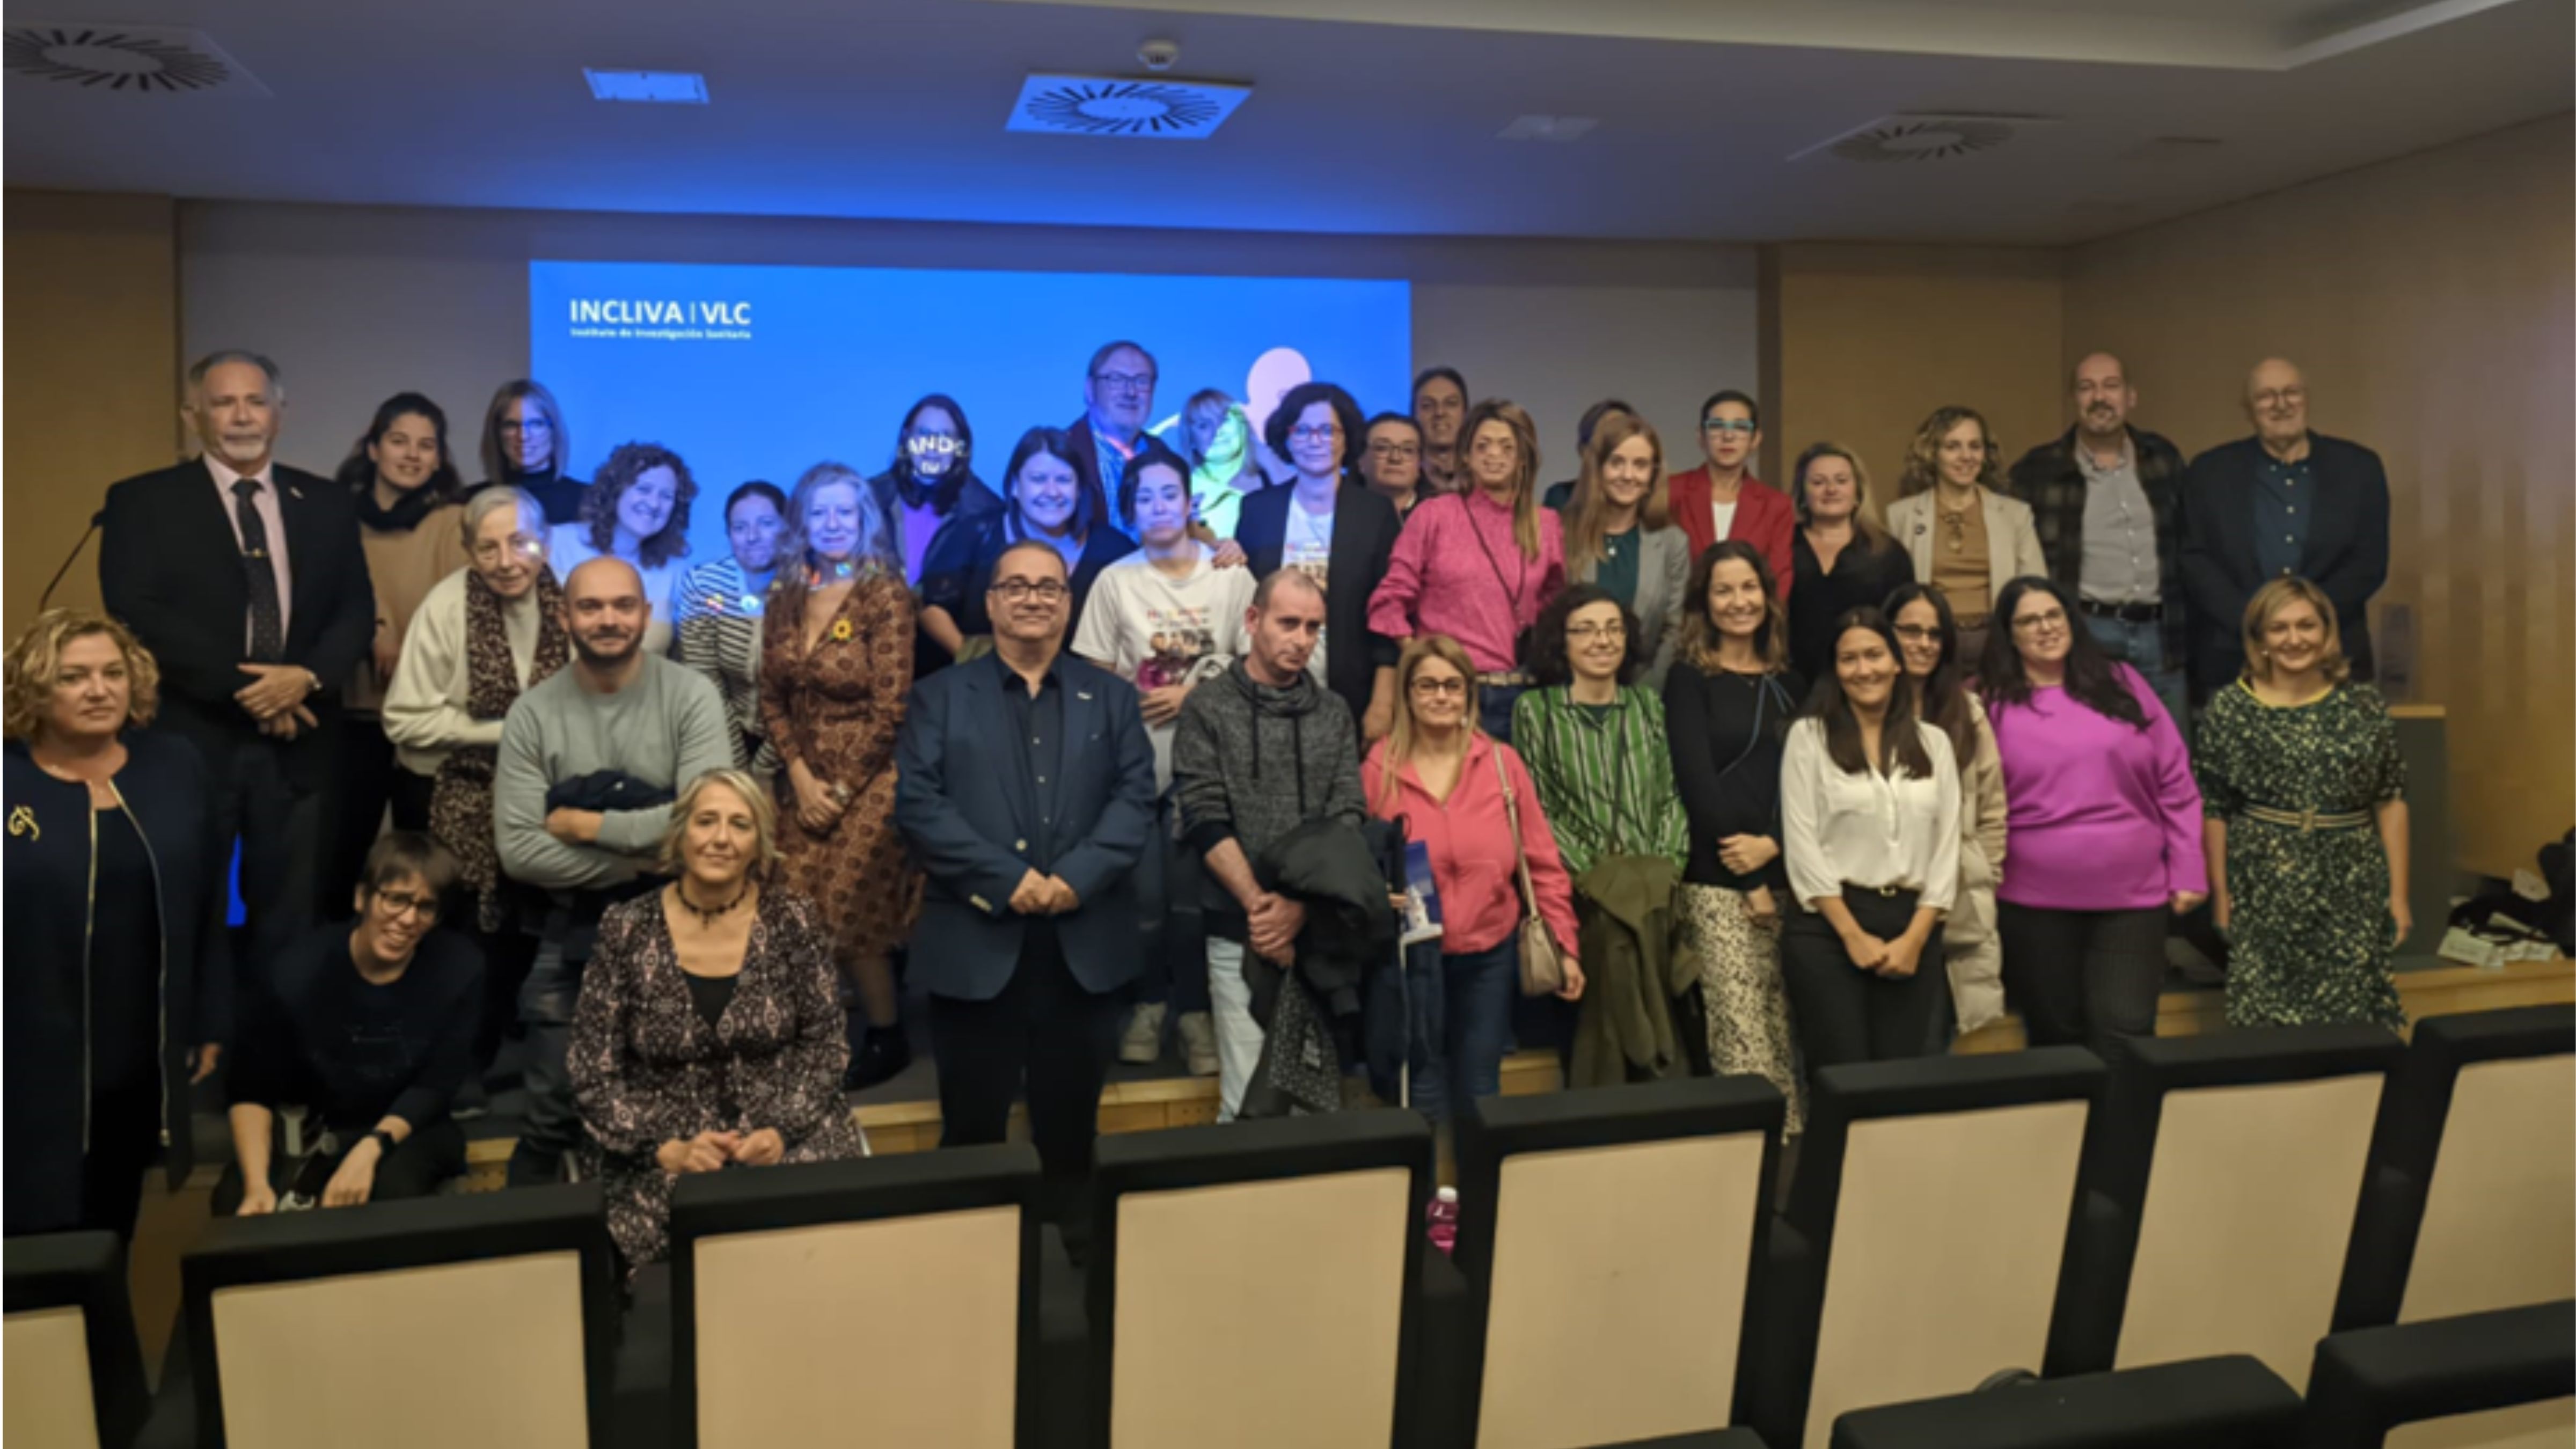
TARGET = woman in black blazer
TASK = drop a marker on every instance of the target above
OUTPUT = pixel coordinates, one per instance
(1318, 428)
(118, 993)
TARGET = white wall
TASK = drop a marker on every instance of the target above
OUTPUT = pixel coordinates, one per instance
(357, 303)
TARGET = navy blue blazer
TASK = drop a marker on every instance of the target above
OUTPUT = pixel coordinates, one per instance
(2346, 553)
(46, 865)
(975, 832)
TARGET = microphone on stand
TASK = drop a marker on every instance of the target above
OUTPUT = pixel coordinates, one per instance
(87, 534)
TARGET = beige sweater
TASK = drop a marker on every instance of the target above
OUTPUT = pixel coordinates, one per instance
(403, 567)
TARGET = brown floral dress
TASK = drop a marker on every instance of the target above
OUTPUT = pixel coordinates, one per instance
(647, 1069)
(839, 709)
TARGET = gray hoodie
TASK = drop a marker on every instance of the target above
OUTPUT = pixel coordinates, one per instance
(1252, 762)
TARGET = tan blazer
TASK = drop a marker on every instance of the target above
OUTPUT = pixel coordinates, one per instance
(2012, 540)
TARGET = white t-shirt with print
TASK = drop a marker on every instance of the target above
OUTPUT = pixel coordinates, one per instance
(1308, 548)
(1153, 629)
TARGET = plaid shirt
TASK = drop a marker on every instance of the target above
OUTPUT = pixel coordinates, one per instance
(2051, 480)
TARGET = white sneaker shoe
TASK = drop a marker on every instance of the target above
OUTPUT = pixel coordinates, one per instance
(1198, 1043)
(1143, 1043)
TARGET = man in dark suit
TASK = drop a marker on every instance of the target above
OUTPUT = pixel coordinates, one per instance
(1117, 399)
(1026, 789)
(2283, 502)
(245, 579)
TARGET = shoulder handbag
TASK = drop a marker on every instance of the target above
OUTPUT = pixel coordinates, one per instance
(1542, 964)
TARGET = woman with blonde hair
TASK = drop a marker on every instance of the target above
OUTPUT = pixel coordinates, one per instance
(118, 996)
(707, 1036)
(1961, 531)
(2306, 831)
(1620, 535)
(1839, 559)
(835, 664)
(527, 446)
(1460, 794)
(1479, 565)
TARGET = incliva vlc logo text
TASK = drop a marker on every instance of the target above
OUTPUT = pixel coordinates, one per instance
(647, 312)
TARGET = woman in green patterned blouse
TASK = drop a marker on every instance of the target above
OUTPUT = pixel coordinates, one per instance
(1594, 743)
(2305, 795)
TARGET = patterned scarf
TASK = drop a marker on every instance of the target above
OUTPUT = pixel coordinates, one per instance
(460, 803)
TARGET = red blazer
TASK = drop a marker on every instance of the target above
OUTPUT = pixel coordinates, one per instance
(1763, 518)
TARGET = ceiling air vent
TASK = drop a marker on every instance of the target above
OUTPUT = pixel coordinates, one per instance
(1154, 110)
(138, 59)
(1922, 138)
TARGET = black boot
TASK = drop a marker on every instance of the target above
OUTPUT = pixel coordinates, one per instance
(882, 1053)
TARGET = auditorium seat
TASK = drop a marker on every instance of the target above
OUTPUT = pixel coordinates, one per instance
(1251, 1284)
(1607, 1240)
(2219, 1186)
(75, 1372)
(476, 1320)
(1926, 1225)
(919, 1272)
(2472, 1198)
(2232, 1402)
(2500, 1380)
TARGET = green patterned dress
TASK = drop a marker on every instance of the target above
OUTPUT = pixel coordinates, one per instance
(2311, 932)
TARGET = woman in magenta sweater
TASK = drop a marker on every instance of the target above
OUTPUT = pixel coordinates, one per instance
(1444, 778)
(2104, 821)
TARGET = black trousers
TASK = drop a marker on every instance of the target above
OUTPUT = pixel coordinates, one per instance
(1045, 1029)
(2084, 978)
(425, 1159)
(280, 825)
(125, 1144)
(1845, 1014)
(367, 780)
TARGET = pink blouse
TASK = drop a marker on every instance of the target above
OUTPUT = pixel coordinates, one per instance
(1458, 570)
(1470, 840)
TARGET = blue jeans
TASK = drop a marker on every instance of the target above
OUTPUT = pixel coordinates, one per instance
(1494, 709)
(547, 1001)
(1461, 1023)
(2141, 645)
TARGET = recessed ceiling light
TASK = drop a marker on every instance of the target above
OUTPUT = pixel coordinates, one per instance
(1548, 128)
(661, 87)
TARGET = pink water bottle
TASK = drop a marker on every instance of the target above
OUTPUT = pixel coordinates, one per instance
(1443, 1216)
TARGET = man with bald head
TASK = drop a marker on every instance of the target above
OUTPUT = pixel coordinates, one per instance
(590, 761)
(2107, 500)
(2286, 502)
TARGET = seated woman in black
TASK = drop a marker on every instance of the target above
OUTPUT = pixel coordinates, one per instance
(370, 1026)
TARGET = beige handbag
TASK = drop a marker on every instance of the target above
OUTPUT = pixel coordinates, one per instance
(1542, 964)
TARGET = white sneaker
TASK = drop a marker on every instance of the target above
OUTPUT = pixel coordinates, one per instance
(1143, 1043)
(1198, 1043)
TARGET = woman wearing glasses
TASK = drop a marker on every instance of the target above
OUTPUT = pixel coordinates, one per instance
(526, 446)
(1478, 566)
(2105, 824)
(1044, 500)
(1956, 524)
(1721, 500)
(835, 664)
(1330, 527)
(369, 1025)
(1928, 638)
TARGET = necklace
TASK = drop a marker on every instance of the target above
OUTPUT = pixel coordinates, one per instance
(708, 915)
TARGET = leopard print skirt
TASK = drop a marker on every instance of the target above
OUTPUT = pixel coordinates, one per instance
(1749, 1030)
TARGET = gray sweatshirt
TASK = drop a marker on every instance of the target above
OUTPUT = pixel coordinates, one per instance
(1252, 762)
(666, 728)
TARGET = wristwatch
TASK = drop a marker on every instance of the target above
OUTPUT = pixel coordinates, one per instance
(384, 1141)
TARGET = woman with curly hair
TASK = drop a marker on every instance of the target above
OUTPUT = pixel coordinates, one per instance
(1964, 535)
(638, 509)
(835, 664)
(119, 995)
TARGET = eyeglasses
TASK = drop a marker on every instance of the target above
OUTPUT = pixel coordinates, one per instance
(1924, 633)
(1727, 425)
(1612, 630)
(396, 905)
(1125, 381)
(2271, 398)
(1395, 452)
(1435, 688)
(510, 429)
(1325, 434)
(520, 545)
(2040, 623)
(1045, 591)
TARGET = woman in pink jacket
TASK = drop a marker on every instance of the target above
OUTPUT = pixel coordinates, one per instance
(1444, 778)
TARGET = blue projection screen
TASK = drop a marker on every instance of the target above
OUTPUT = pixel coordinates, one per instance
(761, 372)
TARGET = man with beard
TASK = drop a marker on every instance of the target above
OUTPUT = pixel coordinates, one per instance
(590, 761)
(2107, 500)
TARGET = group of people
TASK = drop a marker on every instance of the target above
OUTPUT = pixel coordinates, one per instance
(1145, 741)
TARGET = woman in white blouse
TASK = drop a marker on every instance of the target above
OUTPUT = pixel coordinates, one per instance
(1869, 807)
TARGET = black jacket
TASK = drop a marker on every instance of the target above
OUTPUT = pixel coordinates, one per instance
(1364, 529)
(2051, 479)
(2346, 553)
(169, 567)
(49, 900)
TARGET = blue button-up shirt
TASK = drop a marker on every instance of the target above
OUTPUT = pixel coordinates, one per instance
(2283, 495)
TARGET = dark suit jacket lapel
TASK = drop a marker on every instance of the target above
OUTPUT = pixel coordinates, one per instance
(305, 559)
(984, 702)
(199, 511)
